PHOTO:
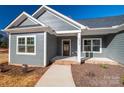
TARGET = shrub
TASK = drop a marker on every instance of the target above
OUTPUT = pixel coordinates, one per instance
(122, 80)
(4, 45)
(104, 66)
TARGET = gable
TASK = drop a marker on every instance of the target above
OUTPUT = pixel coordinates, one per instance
(24, 20)
(55, 22)
(63, 22)
(28, 22)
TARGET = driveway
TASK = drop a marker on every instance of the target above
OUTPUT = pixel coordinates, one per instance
(57, 76)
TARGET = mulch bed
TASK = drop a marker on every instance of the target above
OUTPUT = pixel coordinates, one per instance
(14, 77)
(96, 75)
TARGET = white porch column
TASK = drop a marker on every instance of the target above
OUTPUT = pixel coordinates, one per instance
(79, 47)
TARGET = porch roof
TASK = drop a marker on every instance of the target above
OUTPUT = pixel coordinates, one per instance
(29, 29)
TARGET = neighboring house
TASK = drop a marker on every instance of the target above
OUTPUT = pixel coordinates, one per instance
(47, 33)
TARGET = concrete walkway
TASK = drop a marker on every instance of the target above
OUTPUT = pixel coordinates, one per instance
(57, 76)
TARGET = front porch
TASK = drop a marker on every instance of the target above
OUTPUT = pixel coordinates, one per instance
(79, 47)
(69, 47)
(64, 60)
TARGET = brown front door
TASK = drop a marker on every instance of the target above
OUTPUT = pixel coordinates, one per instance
(66, 47)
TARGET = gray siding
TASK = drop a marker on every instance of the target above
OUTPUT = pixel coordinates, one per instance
(115, 48)
(112, 46)
(55, 22)
(74, 45)
(51, 47)
(27, 22)
(37, 59)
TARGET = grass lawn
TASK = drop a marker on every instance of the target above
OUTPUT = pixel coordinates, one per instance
(96, 75)
(14, 77)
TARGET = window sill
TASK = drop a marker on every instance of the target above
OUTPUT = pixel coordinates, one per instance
(26, 53)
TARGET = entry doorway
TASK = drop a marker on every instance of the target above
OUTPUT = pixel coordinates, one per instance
(66, 47)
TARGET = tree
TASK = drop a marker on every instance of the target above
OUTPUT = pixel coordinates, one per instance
(3, 39)
(1, 36)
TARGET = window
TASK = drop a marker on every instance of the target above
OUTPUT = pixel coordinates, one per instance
(26, 44)
(92, 45)
(21, 44)
(30, 45)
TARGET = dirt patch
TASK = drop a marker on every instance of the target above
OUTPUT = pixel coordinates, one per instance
(16, 78)
(96, 75)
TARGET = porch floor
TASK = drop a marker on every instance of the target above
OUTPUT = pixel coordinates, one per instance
(65, 60)
(101, 61)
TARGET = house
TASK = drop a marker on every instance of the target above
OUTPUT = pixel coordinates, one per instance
(38, 38)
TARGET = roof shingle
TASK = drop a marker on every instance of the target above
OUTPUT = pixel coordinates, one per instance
(103, 22)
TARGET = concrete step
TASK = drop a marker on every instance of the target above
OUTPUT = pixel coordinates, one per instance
(65, 62)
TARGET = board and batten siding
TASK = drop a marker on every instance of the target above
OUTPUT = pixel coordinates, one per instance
(28, 22)
(37, 59)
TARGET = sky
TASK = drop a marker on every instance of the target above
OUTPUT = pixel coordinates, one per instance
(9, 12)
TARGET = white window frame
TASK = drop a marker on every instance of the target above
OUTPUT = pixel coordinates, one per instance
(92, 44)
(26, 53)
(69, 46)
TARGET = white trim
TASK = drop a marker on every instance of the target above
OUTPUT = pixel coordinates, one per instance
(61, 15)
(79, 47)
(65, 35)
(9, 48)
(67, 31)
(25, 36)
(38, 10)
(69, 46)
(45, 48)
(24, 13)
(92, 44)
